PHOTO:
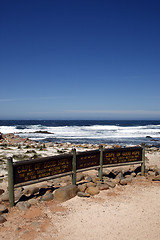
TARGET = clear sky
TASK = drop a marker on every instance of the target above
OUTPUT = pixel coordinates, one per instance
(80, 59)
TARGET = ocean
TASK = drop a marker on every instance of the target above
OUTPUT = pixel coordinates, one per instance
(86, 131)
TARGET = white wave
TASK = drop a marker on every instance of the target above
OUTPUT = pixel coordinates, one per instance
(90, 132)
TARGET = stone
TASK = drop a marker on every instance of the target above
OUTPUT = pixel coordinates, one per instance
(128, 179)
(117, 171)
(88, 178)
(83, 194)
(47, 197)
(91, 184)
(92, 190)
(4, 197)
(2, 219)
(151, 173)
(18, 193)
(82, 187)
(110, 184)
(133, 174)
(23, 206)
(103, 186)
(65, 193)
(158, 171)
(30, 190)
(3, 209)
(116, 180)
(128, 176)
(157, 178)
(33, 201)
(123, 182)
(106, 172)
(95, 179)
(1, 191)
(79, 177)
(119, 175)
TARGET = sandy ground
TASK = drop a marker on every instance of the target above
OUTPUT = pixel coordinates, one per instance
(124, 212)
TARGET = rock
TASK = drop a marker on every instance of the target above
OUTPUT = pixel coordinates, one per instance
(95, 179)
(83, 194)
(152, 174)
(3, 209)
(1, 191)
(82, 187)
(33, 201)
(119, 175)
(117, 171)
(23, 206)
(30, 190)
(106, 172)
(47, 197)
(157, 178)
(88, 178)
(2, 219)
(155, 169)
(110, 184)
(123, 182)
(158, 171)
(128, 179)
(116, 180)
(91, 184)
(4, 197)
(103, 186)
(18, 193)
(127, 176)
(79, 177)
(133, 174)
(43, 132)
(65, 193)
(92, 190)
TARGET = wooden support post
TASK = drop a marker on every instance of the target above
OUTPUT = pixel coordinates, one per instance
(143, 159)
(74, 167)
(100, 173)
(10, 181)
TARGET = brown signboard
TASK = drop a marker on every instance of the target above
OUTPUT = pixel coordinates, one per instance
(43, 167)
(87, 159)
(122, 155)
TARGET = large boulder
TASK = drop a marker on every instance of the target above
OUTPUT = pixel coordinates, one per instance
(65, 193)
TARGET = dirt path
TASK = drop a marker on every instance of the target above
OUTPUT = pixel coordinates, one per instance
(124, 212)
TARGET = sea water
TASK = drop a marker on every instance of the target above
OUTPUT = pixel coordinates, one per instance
(86, 131)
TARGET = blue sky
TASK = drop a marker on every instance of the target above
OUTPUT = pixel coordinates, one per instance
(80, 59)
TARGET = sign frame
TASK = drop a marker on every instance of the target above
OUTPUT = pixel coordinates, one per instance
(78, 162)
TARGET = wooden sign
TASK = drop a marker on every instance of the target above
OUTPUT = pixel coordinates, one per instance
(40, 168)
(122, 155)
(87, 159)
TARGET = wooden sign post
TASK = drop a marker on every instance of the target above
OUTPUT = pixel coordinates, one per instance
(10, 181)
(42, 169)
